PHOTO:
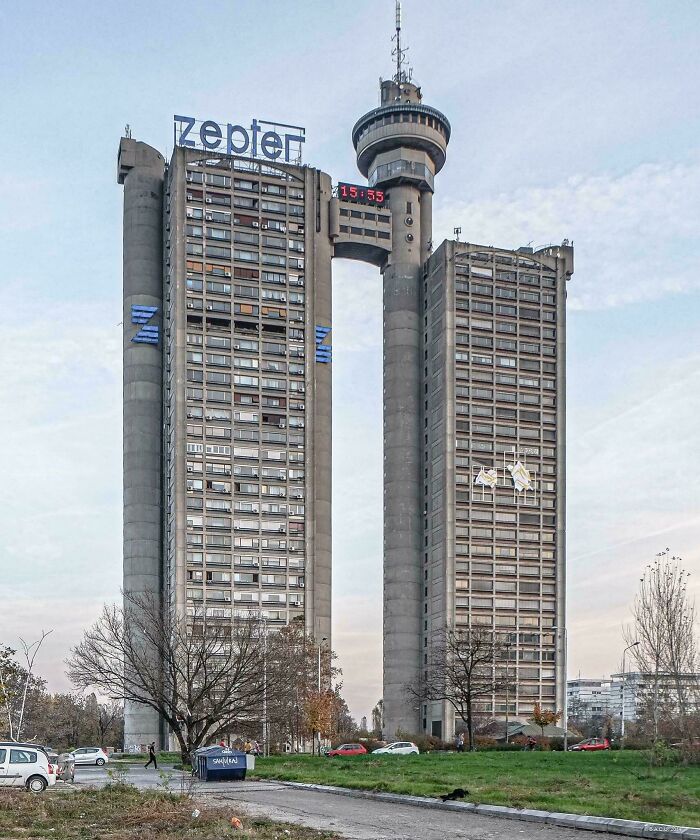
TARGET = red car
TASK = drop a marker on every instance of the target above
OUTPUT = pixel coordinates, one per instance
(591, 744)
(348, 749)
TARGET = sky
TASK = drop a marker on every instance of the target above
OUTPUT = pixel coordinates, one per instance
(569, 119)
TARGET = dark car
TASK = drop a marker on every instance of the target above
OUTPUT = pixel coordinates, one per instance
(347, 749)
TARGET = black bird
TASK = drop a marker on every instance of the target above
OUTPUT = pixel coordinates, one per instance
(457, 793)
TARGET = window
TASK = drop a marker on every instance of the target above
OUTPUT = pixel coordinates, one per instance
(22, 757)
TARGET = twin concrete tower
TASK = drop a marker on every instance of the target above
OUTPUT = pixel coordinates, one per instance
(401, 146)
(227, 401)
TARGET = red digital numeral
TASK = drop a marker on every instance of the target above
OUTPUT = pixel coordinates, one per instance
(343, 191)
(353, 192)
(370, 195)
(379, 195)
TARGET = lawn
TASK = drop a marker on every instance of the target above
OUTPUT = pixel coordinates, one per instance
(121, 812)
(609, 784)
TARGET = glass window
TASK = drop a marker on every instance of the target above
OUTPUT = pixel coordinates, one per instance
(22, 757)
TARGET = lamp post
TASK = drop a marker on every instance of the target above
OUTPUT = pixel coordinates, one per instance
(318, 734)
(566, 692)
(565, 710)
(266, 746)
(507, 647)
(622, 708)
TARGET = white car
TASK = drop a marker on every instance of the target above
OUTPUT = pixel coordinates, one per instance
(90, 755)
(25, 765)
(398, 748)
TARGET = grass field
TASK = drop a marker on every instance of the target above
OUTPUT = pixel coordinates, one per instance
(123, 813)
(609, 784)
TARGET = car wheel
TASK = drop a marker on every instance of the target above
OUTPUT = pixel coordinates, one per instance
(100, 762)
(36, 784)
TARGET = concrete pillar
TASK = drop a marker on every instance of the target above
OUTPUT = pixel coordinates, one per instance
(319, 420)
(402, 462)
(141, 171)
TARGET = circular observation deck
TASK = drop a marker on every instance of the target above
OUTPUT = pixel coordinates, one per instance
(407, 124)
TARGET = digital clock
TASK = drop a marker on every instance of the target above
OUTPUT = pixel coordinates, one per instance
(360, 194)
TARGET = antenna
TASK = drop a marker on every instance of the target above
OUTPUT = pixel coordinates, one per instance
(401, 74)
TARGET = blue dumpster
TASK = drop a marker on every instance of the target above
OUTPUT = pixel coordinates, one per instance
(217, 764)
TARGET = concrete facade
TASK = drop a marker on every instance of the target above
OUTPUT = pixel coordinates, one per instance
(493, 380)
(140, 169)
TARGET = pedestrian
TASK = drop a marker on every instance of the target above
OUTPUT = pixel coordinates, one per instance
(255, 749)
(247, 747)
(460, 742)
(222, 743)
(152, 755)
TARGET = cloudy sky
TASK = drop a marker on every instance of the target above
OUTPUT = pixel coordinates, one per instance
(570, 119)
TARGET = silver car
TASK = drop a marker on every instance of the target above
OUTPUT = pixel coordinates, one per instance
(90, 755)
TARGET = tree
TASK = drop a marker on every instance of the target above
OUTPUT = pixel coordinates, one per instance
(463, 672)
(20, 693)
(210, 677)
(293, 665)
(664, 626)
(543, 717)
(378, 719)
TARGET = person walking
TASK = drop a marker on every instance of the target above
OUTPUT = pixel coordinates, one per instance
(152, 755)
(460, 742)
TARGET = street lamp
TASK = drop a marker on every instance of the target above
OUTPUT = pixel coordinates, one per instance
(266, 745)
(565, 710)
(622, 709)
(507, 645)
(318, 734)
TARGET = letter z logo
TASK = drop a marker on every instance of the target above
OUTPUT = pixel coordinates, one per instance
(323, 351)
(149, 333)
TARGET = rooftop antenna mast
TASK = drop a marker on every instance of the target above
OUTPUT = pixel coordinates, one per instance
(400, 53)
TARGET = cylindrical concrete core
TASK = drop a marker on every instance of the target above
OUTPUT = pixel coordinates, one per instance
(402, 462)
(400, 147)
(141, 170)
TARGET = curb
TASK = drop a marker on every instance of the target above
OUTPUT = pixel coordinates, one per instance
(629, 828)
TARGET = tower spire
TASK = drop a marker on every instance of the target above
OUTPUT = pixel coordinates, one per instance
(399, 52)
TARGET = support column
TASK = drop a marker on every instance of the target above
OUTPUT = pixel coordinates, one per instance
(141, 171)
(402, 463)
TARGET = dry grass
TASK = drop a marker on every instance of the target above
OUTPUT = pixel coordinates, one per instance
(120, 812)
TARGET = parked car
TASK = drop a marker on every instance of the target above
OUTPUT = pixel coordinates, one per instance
(90, 755)
(25, 765)
(347, 749)
(398, 748)
(591, 744)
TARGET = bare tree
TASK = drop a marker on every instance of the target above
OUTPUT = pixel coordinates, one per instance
(664, 624)
(209, 679)
(464, 671)
(293, 665)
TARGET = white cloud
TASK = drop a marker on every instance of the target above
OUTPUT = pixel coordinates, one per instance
(635, 234)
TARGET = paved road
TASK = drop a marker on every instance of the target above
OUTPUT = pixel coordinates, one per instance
(355, 819)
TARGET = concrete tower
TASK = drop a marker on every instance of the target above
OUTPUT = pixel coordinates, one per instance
(400, 147)
(140, 169)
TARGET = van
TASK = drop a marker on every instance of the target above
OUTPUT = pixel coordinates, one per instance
(25, 765)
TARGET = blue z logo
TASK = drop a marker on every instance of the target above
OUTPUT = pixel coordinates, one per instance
(149, 333)
(323, 351)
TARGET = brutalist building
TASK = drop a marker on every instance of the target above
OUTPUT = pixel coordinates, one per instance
(227, 398)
